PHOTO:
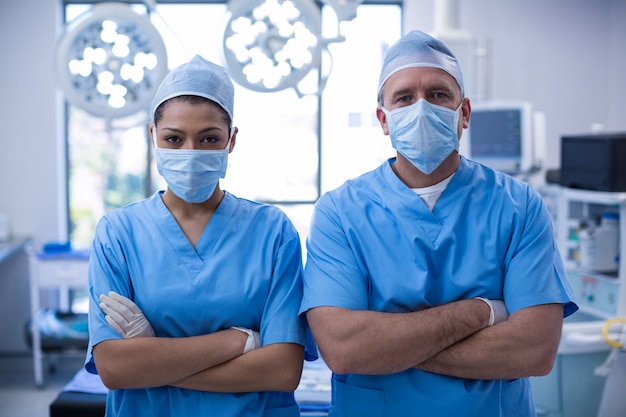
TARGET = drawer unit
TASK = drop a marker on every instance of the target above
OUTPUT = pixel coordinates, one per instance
(63, 271)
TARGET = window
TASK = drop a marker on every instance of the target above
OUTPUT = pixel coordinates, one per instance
(289, 150)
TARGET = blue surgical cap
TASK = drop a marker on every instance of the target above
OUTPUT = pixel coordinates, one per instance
(197, 77)
(418, 49)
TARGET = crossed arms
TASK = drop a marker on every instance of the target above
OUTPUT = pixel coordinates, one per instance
(212, 362)
(452, 339)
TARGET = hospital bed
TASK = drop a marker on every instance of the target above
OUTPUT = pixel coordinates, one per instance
(85, 395)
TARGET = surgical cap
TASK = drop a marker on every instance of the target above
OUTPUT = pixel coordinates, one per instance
(197, 77)
(418, 49)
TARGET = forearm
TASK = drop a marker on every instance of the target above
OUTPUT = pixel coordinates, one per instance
(368, 342)
(524, 345)
(276, 367)
(155, 361)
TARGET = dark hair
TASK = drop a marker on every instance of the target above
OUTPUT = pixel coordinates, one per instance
(191, 99)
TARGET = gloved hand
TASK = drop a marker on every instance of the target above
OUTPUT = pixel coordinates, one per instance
(254, 339)
(498, 311)
(125, 316)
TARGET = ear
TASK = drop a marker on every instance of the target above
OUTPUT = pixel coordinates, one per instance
(466, 111)
(233, 139)
(152, 133)
(382, 119)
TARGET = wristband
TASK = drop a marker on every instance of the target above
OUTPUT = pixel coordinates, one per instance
(250, 345)
(491, 313)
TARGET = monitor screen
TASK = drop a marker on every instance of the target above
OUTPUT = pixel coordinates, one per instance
(500, 136)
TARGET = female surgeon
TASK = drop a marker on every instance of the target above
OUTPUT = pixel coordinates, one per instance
(185, 283)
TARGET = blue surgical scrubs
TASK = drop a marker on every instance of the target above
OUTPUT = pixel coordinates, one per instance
(244, 271)
(374, 245)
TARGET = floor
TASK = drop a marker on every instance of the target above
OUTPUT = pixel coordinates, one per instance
(19, 396)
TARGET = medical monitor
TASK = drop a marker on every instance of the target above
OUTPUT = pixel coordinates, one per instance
(500, 135)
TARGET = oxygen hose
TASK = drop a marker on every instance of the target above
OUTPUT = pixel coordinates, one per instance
(613, 402)
(605, 332)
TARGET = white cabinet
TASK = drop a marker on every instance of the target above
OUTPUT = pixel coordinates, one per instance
(602, 294)
(14, 296)
(60, 272)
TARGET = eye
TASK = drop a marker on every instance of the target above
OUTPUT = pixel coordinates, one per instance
(173, 139)
(404, 100)
(440, 96)
(211, 139)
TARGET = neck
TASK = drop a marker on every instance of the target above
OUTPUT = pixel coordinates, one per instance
(414, 178)
(180, 208)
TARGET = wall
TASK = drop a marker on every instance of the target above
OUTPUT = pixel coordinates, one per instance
(567, 57)
(30, 173)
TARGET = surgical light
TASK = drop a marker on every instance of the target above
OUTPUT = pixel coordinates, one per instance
(110, 61)
(271, 45)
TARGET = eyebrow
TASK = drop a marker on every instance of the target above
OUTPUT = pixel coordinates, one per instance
(206, 130)
(445, 87)
(400, 93)
(437, 85)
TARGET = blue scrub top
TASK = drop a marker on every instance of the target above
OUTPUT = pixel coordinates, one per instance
(244, 271)
(375, 245)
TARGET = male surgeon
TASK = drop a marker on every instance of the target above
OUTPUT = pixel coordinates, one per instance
(433, 285)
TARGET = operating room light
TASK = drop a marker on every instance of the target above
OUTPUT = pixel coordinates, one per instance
(111, 60)
(271, 45)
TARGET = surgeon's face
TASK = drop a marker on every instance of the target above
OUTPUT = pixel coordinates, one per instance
(187, 125)
(434, 85)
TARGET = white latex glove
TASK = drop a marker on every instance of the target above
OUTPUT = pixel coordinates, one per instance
(498, 311)
(125, 316)
(254, 339)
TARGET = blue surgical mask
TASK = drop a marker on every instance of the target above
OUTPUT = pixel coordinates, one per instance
(424, 133)
(191, 174)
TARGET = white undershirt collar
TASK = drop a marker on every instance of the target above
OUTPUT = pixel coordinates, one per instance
(431, 194)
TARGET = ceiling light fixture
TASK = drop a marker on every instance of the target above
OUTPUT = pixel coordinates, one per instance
(110, 61)
(271, 45)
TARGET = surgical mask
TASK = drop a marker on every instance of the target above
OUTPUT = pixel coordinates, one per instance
(424, 133)
(191, 174)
